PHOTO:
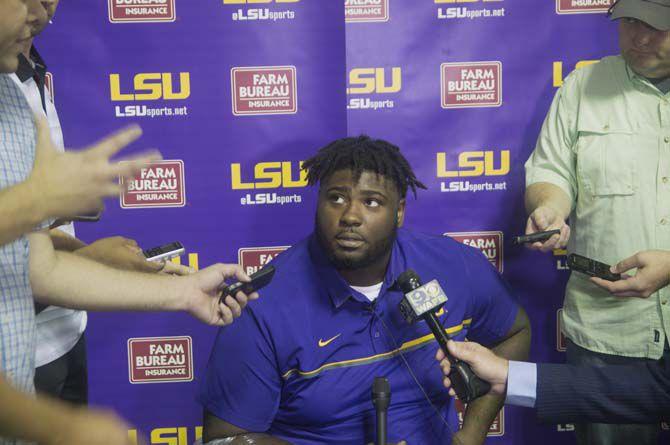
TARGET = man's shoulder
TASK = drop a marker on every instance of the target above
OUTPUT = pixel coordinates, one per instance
(431, 247)
(604, 72)
(293, 270)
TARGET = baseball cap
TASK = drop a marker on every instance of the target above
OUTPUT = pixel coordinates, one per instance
(655, 13)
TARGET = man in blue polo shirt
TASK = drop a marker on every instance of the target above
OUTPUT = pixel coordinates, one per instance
(298, 366)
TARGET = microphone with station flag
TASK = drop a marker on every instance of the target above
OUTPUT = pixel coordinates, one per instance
(381, 399)
(421, 302)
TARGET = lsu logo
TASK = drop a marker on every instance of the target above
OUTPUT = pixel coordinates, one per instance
(471, 84)
(151, 86)
(582, 6)
(489, 243)
(474, 164)
(496, 429)
(254, 258)
(561, 344)
(558, 75)
(264, 90)
(169, 436)
(159, 184)
(269, 175)
(164, 359)
(375, 80)
(147, 11)
(366, 11)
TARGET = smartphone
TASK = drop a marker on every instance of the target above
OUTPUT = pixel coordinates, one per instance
(165, 252)
(591, 267)
(258, 280)
(533, 237)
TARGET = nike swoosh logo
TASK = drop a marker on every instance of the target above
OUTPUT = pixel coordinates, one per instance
(440, 312)
(327, 342)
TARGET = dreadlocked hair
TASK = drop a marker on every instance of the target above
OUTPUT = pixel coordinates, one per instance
(360, 154)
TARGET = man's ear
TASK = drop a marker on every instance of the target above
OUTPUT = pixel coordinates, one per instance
(400, 215)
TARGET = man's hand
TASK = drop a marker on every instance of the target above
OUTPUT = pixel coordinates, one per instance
(483, 362)
(91, 427)
(653, 273)
(120, 253)
(463, 437)
(202, 290)
(547, 218)
(74, 183)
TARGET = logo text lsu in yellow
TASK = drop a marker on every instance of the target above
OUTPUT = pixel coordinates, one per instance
(269, 175)
(150, 86)
(374, 80)
(169, 436)
(475, 163)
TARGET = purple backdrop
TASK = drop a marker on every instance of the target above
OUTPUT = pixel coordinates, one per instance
(241, 93)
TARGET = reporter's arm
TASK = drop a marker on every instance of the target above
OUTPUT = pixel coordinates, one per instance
(65, 241)
(68, 280)
(653, 273)
(21, 202)
(50, 422)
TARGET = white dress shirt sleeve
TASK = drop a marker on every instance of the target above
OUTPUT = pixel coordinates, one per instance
(521, 384)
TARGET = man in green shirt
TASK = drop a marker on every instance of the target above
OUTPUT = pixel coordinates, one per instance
(603, 160)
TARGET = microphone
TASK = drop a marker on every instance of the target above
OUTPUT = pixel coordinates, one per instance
(421, 302)
(381, 398)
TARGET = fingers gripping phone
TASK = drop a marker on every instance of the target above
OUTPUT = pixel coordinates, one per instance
(258, 280)
(591, 267)
(165, 252)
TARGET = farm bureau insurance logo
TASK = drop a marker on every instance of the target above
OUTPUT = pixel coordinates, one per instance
(366, 11)
(496, 429)
(150, 87)
(489, 243)
(251, 13)
(264, 90)
(159, 184)
(468, 9)
(144, 11)
(252, 259)
(471, 84)
(582, 6)
(160, 359)
(371, 87)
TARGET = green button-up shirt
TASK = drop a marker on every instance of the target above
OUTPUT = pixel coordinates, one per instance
(606, 143)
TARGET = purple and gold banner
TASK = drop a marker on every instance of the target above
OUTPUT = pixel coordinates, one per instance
(237, 93)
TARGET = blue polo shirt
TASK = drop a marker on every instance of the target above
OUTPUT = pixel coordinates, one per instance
(300, 362)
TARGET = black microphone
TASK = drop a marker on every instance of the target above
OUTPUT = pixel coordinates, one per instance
(421, 302)
(381, 398)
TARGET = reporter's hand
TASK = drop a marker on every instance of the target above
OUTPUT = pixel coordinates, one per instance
(653, 273)
(91, 427)
(546, 218)
(202, 291)
(120, 253)
(74, 183)
(483, 362)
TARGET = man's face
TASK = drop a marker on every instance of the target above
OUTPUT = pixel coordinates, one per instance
(37, 16)
(14, 32)
(645, 49)
(50, 6)
(356, 222)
